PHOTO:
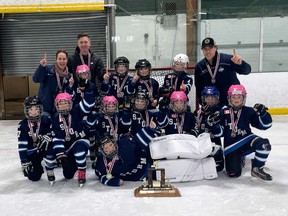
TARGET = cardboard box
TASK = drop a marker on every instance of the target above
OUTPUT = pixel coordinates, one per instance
(15, 87)
(33, 87)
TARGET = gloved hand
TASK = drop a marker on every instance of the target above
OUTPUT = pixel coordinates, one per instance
(213, 119)
(127, 105)
(27, 168)
(84, 84)
(260, 109)
(164, 104)
(44, 142)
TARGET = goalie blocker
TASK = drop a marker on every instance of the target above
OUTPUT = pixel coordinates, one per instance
(184, 157)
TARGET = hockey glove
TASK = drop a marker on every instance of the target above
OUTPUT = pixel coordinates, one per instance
(45, 140)
(213, 118)
(164, 104)
(27, 168)
(260, 109)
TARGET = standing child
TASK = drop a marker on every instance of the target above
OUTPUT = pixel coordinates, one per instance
(70, 141)
(178, 80)
(142, 82)
(235, 121)
(34, 137)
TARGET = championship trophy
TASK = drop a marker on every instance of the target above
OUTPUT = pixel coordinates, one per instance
(154, 188)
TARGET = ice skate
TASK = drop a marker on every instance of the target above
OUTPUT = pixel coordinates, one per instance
(51, 176)
(81, 177)
(259, 172)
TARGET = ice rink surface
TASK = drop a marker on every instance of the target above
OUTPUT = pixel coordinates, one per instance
(221, 196)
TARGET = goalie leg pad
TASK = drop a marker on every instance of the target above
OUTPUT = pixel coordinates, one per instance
(181, 146)
(184, 170)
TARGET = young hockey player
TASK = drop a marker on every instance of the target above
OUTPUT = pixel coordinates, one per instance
(106, 123)
(210, 104)
(178, 80)
(235, 121)
(142, 82)
(83, 76)
(117, 84)
(140, 117)
(124, 159)
(70, 142)
(180, 121)
(34, 137)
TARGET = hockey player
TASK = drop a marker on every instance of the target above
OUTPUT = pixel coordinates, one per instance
(83, 76)
(142, 82)
(70, 142)
(180, 121)
(117, 84)
(124, 159)
(34, 137)
(178, 80)
(210, 104)
(139, 117)
(235, 121)
(106, 123)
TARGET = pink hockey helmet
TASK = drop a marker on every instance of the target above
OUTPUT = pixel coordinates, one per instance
(110, 100)
(178, 96)
(237, 90)
(82, 69)
(63, 97)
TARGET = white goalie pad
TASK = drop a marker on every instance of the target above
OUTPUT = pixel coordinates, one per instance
(181, 146)
(184, 170)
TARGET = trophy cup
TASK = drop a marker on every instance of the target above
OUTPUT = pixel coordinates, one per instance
(154, 188)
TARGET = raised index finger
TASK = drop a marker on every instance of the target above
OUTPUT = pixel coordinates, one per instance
(234, 52)
(44, 57)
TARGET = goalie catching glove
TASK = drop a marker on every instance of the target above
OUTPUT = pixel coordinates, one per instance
(260, 109)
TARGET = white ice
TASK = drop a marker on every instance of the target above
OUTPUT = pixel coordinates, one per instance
(222, 196)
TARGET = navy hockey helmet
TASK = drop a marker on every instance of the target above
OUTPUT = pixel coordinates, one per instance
(28, 103)
(122, 60)
(108, 147)
(140, 101)
(143, 63)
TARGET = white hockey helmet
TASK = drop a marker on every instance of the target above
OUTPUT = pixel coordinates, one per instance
(180, 59)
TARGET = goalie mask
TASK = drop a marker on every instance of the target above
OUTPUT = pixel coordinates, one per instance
(121, 65)
(237, 96)
(33, 108)
(178, 102)
(63, 103)
(210, 96)
(180, 63)
(143, 68)
(108, 147)
(110, 105)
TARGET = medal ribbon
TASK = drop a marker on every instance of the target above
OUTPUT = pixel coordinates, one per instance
(110, 165)
(67, 128)
(213, 75)
(89, 59)
(34, 135)
(180, 124)
(119, 88)
(150, 89)
(59, 82)
(234, 123)
(114, 130)
(175, 84)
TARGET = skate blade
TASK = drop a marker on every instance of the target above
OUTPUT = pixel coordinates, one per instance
(259, 180)
(81, 185)
(52, 183)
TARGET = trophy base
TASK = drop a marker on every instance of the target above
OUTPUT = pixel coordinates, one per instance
(156, 192)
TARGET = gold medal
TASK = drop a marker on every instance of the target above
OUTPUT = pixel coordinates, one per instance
(109, 176)
(213, 80)
(120, 95)
(67, 138)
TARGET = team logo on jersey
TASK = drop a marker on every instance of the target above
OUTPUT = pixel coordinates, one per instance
(221, 69)
(169, 76)
(226, 111)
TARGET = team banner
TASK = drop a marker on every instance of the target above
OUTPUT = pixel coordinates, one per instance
(42, 6)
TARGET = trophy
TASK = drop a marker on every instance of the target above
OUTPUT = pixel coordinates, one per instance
(156, 188)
